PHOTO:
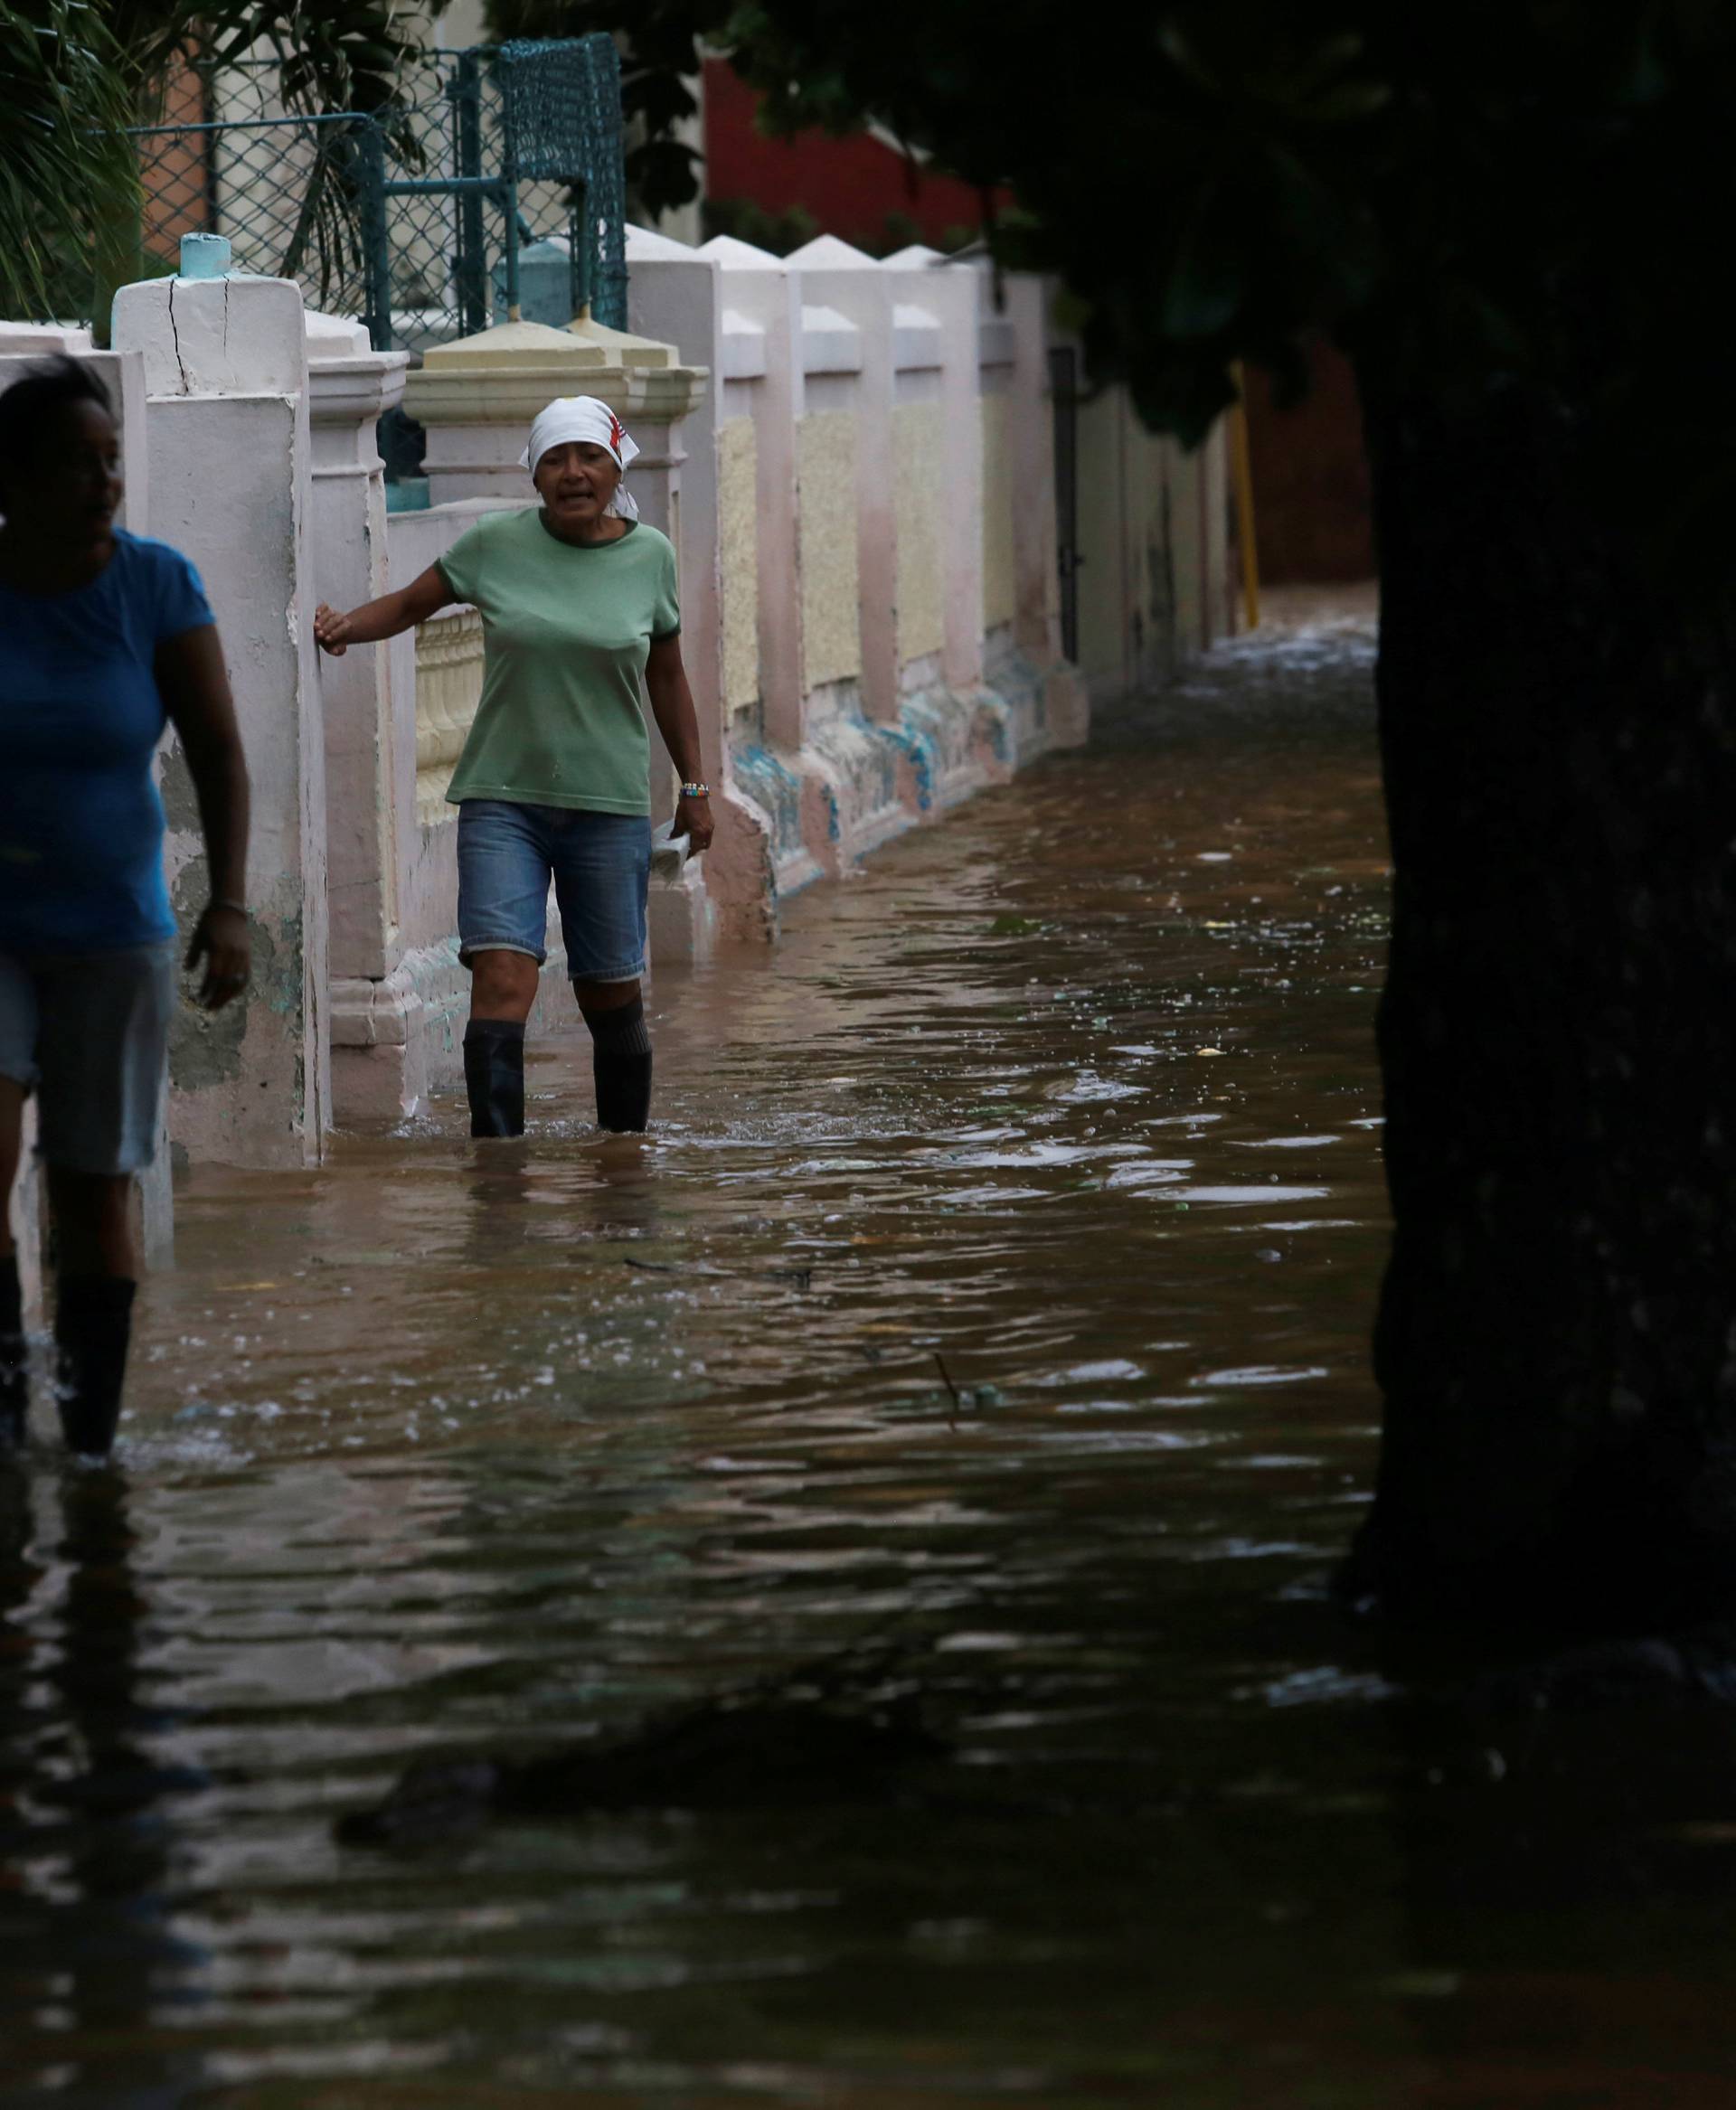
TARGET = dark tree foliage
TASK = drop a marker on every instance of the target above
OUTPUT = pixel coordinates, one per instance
(1508, 217)
(1207, 179)
(60, 155)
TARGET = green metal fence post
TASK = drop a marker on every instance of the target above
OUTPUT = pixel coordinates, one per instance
(509, 236)
(470, 275)
(376, 240)
(509, 189)
(578, 234)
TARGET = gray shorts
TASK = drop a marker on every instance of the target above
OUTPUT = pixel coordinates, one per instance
(89, 1032)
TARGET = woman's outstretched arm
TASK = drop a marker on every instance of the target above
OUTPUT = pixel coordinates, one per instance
(388, 616)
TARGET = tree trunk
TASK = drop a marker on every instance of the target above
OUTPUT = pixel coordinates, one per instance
(1556, 1340)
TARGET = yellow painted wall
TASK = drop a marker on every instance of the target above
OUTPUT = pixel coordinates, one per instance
(917, 440)
(738, 529)
(1000, 590)
(825, 469)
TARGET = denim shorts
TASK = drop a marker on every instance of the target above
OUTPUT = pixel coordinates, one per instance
(89, 1032)
(600, 864)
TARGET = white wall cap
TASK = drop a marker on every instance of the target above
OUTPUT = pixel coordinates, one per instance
(645, 245)
(916, 336)
(740, 256)
(831, 342)
(996, 341)
(44, 337)
(817, 315)
(744, 347)
(825, 252)
(335, 336)
(224, 336)
(913, 259)
(355, 387)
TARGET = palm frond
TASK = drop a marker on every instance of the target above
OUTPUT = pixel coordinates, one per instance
(64, 164)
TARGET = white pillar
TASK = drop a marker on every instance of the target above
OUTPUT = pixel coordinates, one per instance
(226, 375)
(673, 293)
(849, 281)
(675, 299)
(763, 291)
(379, 1066)
(654, 397)
(949, 292)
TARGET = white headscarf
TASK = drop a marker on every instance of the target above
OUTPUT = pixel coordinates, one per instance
(589, 419)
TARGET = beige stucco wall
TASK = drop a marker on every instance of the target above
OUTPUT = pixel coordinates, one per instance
(738, 534)
(918, 449)
(448, 688)
(1000, 589)
(831, 620)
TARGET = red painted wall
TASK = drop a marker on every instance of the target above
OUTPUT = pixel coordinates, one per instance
(849, 185)
(1312, 515)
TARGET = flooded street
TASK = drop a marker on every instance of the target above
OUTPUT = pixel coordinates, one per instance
(993, 1296)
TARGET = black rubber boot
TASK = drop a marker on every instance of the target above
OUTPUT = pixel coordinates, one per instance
(494, 1076)
(93, 1326)
(620, 1061)
(15, 1350)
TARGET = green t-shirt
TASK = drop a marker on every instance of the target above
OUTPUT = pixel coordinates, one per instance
(566, 630)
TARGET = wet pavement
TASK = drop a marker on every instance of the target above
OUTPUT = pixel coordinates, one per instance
(992, 1297)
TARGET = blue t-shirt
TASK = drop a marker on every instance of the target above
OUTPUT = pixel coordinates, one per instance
(81, 821)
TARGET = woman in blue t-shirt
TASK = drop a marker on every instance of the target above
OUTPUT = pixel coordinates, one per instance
(105, 637)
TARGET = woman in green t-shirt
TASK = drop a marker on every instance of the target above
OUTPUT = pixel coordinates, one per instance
(578, 604)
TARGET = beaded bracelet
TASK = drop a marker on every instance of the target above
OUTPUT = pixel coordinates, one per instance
(696, 791)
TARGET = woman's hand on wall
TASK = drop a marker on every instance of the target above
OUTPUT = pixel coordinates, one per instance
(389, 617)
(331, 630)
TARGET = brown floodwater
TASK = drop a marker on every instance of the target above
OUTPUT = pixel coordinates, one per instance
(993, 1294)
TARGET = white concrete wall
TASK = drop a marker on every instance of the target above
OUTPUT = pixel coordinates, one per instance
(227, 424)
(847, 433)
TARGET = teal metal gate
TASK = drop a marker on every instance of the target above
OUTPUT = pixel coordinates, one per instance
(411, 218)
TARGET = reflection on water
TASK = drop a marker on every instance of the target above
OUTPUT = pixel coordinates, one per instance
(996, 1283)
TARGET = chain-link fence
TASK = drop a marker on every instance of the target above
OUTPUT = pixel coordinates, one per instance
(499, 172)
